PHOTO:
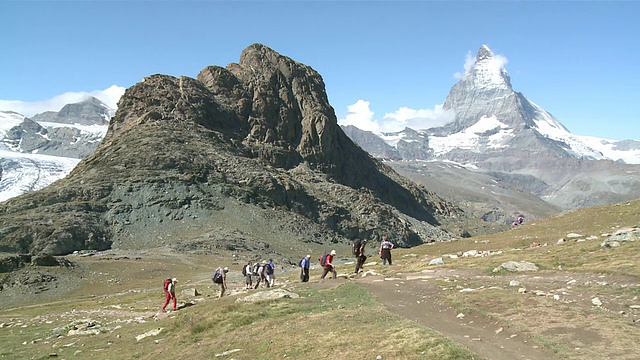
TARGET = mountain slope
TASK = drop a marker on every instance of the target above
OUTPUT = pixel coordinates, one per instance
(251, 152)
(498, 131)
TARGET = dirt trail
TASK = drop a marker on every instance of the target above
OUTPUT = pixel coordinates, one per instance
(415, 297)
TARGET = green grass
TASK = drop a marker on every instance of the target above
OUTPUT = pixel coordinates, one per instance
(322, 323)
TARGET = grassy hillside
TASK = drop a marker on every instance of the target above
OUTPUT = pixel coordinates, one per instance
(113, 297)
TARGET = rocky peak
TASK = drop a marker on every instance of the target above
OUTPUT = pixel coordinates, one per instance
(484, 53)
(488, 71)
(181, 154)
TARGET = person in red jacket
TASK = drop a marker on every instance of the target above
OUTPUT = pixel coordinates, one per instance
(170, 293)
(328, 265)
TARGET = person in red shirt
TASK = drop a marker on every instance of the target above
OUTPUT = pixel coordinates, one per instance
(328, 265)
(170, 294)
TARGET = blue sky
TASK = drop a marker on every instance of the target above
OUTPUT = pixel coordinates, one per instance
(578, 60)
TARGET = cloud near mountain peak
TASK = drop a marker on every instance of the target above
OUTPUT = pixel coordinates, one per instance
(109, 96)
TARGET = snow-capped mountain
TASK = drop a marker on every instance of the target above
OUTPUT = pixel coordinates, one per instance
(489, 114)
(33, 154)
(499, 130)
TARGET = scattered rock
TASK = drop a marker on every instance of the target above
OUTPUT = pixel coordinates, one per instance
(153, 332)
(517, 266)
(595, 301)
(228, 352)
(436, 261)
(269, 295)
(514, 283)
(369, 272)
(620, 236)
(190, 292)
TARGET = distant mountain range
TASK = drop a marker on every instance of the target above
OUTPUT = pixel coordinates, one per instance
(36, 151)
(499, 132)
(502, 155)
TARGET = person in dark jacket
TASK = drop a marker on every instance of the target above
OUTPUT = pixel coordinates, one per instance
(358, 251)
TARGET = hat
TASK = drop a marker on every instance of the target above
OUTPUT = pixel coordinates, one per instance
(333, 252)
(364, 240)
(174, 280)
(226, 269)
(308, 256)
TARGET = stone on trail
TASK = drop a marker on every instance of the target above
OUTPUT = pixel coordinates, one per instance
(269, 295)
(517, 266)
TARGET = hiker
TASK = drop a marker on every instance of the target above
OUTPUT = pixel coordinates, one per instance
(269, 273)
(304, 268)
(260, 275)
(385, 250)
(256, 266)
(328, 265)
(358, 251)
(520, 219)
(247, 271)
(170, 293)
(220, 277)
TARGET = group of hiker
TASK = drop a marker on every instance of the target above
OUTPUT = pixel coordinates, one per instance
(264, 271)
(518, 221)
(358, 250)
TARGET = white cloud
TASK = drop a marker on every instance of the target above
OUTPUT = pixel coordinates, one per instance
(468, 64)
(361, 116)
(416, 119)
(109, 96)
(499, 60)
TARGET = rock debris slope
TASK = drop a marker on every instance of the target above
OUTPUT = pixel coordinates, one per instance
(247, 154)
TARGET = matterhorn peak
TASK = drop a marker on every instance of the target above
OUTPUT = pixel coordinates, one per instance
(484, 53)
(488, 71)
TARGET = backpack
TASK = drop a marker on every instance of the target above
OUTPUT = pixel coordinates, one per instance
(244, 270)
(269, 269)
(323, 259)
(217, 276)
(166, 284)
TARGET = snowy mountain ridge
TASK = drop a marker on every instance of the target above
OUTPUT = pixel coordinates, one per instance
(498, 133)
(490, 115)
(33, 154)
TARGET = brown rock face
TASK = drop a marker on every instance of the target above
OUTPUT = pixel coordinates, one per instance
(251, 149)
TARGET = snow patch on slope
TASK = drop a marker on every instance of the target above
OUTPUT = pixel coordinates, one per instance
(474, 137)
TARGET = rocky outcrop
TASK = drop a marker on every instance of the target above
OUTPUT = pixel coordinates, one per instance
(252, 150)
